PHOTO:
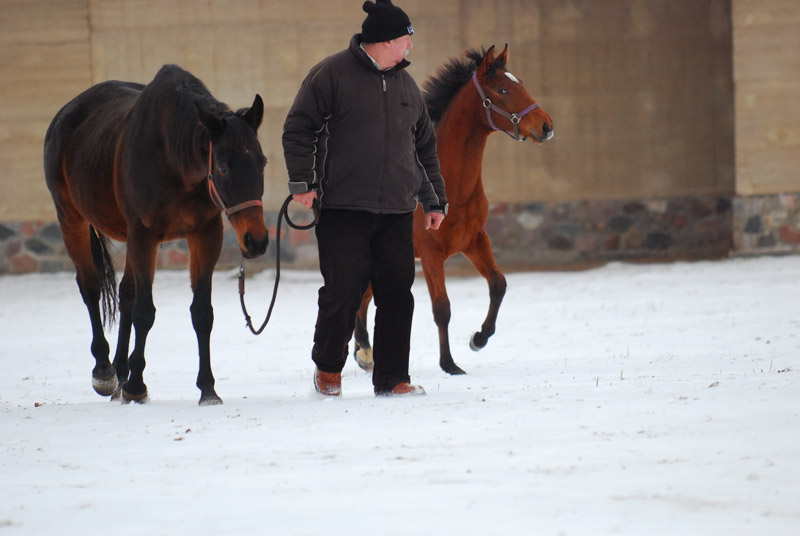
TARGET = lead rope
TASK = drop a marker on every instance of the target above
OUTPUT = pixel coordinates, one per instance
(282, 214)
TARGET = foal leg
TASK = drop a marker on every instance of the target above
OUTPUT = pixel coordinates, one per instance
(362, 350)
(481, 256)
(434, 277)
(204, 250)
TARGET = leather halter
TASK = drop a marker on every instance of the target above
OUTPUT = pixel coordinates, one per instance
(515, 118)
(217, 199)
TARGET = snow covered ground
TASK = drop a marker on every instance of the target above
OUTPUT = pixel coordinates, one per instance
(628, 399)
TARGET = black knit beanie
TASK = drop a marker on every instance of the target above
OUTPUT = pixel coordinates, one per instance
(384, 22)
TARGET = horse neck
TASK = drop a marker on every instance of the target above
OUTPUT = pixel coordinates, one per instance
(461, 137)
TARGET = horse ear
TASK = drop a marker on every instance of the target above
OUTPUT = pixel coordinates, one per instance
(502, 59)
(256, 113)
(488, 60)
(211, 122)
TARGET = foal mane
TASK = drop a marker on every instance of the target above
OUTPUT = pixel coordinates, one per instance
(440, 89)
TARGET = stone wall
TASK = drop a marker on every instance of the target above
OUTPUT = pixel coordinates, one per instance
(534, 235)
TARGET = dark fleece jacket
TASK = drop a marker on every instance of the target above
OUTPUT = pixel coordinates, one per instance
(363, 137)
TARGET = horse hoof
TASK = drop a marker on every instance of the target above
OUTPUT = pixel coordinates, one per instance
(105, 386)
(127, 398)
(364, 359)
(210, 400)
(138, 397)
(477, 342)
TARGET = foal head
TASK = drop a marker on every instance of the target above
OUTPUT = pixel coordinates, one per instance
(236, 172)
(508, 105)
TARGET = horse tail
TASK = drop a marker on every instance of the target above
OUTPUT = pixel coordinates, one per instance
(108, 276)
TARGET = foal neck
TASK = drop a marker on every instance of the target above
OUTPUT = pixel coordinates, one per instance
(461, 135)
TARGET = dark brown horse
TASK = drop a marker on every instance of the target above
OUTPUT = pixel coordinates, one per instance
(468, 100)
(144, 165)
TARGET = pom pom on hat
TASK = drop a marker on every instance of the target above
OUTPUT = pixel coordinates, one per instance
(384, 22)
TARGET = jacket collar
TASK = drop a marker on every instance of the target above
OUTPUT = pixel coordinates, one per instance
(363, 57)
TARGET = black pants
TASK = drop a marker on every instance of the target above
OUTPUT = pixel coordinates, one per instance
(355, 249)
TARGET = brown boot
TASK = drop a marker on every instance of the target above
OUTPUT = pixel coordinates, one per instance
(403, 389)
(328, 383)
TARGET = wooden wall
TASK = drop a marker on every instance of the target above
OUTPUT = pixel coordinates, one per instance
(44, 62)
(766, 53)
(641, 91)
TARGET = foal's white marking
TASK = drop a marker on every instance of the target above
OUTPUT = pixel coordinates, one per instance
(512, 77)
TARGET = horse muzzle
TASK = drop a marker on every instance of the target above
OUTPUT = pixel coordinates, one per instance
(251, 233)
(547, 133)
(254, 247)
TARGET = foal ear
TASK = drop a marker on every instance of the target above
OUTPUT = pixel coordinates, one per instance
(256, 113)
(502, 59)
(488, 61)
(211, 122)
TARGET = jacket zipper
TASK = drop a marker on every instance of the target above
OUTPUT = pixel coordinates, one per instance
(385, 144)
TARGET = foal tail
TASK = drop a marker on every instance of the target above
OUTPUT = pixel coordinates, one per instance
(108, 276)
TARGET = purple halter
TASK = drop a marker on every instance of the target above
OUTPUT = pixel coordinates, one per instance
(515, 118)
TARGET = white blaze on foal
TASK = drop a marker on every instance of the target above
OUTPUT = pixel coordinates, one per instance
(512, 77)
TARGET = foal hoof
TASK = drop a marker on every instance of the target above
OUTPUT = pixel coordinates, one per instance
(477, 342)
(451, 368)
(364, 359)
(210, 400)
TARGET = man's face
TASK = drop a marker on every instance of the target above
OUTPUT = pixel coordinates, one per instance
(399, 48)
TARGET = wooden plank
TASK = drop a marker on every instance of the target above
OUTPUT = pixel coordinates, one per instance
(767, 137)
(130, 14)
(33, 85)
(767, 77)
(25, 195)
(43, 21)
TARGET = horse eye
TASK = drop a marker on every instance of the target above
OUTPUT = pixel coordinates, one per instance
(503, 91)
(223, 169)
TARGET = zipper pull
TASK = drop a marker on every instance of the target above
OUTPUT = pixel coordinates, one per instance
(383, 79)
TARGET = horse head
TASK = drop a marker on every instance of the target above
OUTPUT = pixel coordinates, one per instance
(509, 107)
(236, 172)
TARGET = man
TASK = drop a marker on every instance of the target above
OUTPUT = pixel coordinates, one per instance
(358, 141)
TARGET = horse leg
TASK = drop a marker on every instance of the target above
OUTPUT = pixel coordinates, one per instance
(363, 349)
(204, 250)
(480, 255)
(75, 230)
(434, 277)
(127, 290)
(142, 259)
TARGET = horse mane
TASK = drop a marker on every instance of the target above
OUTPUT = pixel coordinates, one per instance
(440, 89)
(184, 135)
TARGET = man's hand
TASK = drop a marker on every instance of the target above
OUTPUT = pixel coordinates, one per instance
(306, 199)
(433, 220)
